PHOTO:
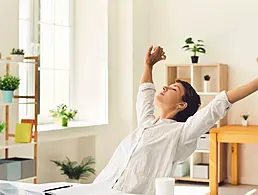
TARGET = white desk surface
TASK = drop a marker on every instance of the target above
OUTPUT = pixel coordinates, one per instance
(78, 189)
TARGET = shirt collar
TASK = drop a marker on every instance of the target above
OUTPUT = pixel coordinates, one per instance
(165, 120)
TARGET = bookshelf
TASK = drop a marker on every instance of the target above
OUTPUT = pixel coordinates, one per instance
(9, 143)
(194, 74)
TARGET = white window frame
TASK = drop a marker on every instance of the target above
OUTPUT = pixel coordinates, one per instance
(34, 15)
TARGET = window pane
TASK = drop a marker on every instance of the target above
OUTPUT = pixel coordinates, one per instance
(24, 9)
(62, 12)
(47, 46)
(62, 87)
(24, 35)
(47, 11)
(62, 47)
(46, 91)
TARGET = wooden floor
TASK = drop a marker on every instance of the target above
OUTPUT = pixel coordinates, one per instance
(191, 189)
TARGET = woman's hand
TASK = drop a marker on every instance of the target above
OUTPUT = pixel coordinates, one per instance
(152, 57)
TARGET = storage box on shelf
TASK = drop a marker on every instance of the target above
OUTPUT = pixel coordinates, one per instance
(201, 171)
(203, 142)
(16, 168)
(182, 169)
(194, 74)
(13, 169)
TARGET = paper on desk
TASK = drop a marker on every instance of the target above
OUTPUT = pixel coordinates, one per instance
(27, 188)
(77, 189)
(10, 189)
(89, 189)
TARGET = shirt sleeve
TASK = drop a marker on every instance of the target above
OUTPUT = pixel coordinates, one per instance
(145, 103)
(205, 118)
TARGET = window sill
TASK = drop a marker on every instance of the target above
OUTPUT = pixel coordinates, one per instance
(75, 129)
(71, 124)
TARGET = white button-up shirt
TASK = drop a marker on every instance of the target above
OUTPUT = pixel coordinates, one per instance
(154, 148)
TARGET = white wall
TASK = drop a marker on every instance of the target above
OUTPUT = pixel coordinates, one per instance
(141, 42)
(230, 33)
(120, 81)
(90, 58)
(9, 25)
(9, 35)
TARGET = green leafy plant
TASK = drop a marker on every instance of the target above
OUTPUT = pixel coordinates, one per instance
(245, 116)
(2, 126)
(17, 51)
(63, 112)
(194, 47)
(73, 170)
(9, 83)
(207, 77)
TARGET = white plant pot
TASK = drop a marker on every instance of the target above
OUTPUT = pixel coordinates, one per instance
(17, 58)
(244, 123)
(206, 86)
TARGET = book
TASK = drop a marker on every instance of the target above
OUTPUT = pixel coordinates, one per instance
(23, 133)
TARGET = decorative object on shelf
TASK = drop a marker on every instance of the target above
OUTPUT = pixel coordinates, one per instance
(64, 114)
(195, 48)
(23, 133)
(206, 83)
(245, 120)
(8, 84)
(74, 171)
(17, 55)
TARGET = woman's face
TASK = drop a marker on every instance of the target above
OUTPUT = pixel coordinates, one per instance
(170, 97)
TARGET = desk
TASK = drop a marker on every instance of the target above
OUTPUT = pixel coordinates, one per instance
(233, 134)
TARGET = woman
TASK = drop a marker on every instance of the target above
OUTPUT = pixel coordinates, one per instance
(155, 147)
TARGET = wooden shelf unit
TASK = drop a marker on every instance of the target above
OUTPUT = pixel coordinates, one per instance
(9, 142)
(194, 74)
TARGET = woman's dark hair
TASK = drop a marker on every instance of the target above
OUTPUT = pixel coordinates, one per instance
(193, 102)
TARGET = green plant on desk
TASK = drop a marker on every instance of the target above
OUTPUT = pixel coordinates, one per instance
(63, 113)
(75, 171)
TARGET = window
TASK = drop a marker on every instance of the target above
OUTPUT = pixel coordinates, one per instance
(71, 38)
(45, 30)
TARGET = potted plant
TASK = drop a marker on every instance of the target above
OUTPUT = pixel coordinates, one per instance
(195, 48)
(75, 171)
(8, 84)
(245, 120)
(17, 55)
(206, 83)
(64, 114)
